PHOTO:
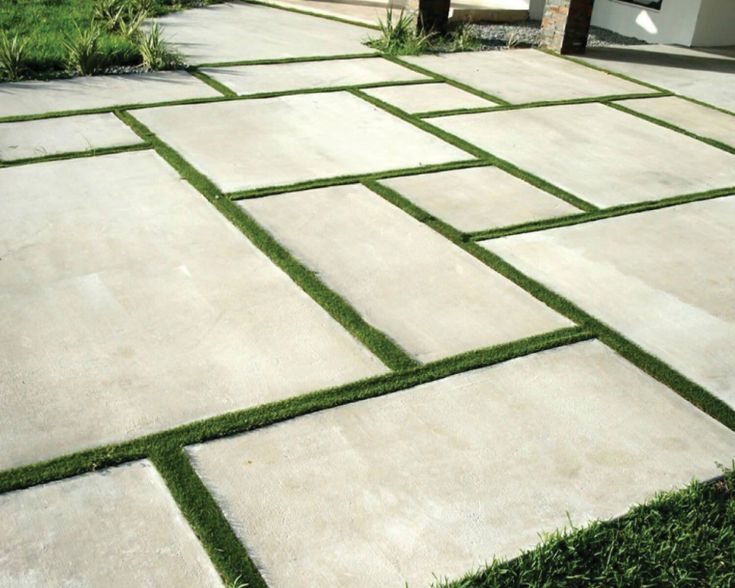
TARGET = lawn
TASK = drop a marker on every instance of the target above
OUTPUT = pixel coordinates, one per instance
(682, 539)
(46, 27)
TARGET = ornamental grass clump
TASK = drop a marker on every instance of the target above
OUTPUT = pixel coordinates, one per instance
(12, 56)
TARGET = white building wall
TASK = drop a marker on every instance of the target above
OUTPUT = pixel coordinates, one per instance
(716, 24)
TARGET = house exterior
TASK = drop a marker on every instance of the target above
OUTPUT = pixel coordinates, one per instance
(692, 23)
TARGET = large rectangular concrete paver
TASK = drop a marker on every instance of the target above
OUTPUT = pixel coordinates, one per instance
(85, 93)
(428, 98)
(597, 153)
(53, 136)
(236, 31)
(440, 478)
(526, 75)
(479, 198)
(117, 527)
(692, 117)
(431, 297)
(130, 306)
(275, 141)
(703, 74)
(281, 77)
(665, 279)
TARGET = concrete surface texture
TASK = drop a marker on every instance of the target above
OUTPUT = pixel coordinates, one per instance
(131, 306)
(479, 198)
(428, 98)
(429, 296)
(698, 73)
(439, 478)
(116, 527)
(235, 31)
(597, 153)
(35, 97)
(525, 75)
(329, 135)
(282, 77)
(695, 118)
(37, 138)
(661, 278)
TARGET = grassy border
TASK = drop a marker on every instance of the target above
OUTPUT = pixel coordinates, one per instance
(284, 60)
(74, 155)
(211, 82)
(309, 13)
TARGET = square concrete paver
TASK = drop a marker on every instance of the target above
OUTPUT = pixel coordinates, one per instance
(439, 478)
(130, 305)
(255, 79)
(236, 31)
(526, 75)
(83, 93)
(431, 297)
(275, 141)
(704, 74)
(479, 198)
(692, 117)
(665, 279)
(597, 153)
(428, 98)
(54, 136)
(117, 527)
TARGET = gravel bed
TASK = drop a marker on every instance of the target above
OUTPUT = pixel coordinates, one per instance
(528, 34)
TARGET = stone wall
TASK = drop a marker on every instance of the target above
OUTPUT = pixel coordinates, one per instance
(566, 25)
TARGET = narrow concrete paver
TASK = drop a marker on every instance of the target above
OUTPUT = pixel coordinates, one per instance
(692, 117)
(428, 98)
(282, 77)
(130, 305)
(664, 279)
(597, 153)
(526, 75)
(441, 477)
(237, 31)
(85, 93)
(479, 198)
(116, 527)
(431, 297)
(54, 136)
(703, 74)
(326, 135)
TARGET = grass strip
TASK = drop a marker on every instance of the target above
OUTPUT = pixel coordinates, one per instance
(684, 538)
(479, 153)
(206, 519)
(645, 361)
(271, 413)
(283, 60)
(212, 83)
(614, 211)
(74, 155)
(297, 10)
(389, 352)
(673, 127)
(353, 179)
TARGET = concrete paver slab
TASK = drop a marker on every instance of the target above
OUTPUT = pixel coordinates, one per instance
(702, 74)
(691, 117)
(526, 75)
(117, 527)
(322, 136)
(441, 477)
(479, 198)
(664, 279)
(130, 305)
(597, 153)
(428, 98)
(236, 31)
(281, 77)
(54, 136)
(431, 297)
(84, 93)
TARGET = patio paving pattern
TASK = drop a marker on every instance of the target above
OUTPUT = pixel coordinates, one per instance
(599, 154)
(54, 136)
(413, 488)
(329, 135)
(303, 315)
(283, 77)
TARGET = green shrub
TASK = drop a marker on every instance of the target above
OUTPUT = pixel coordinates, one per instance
(83, 53)
(156, 53)
(12, 56)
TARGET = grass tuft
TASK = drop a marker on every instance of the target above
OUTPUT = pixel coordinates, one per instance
(156, 52)
(83, 55)
(12, 56)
